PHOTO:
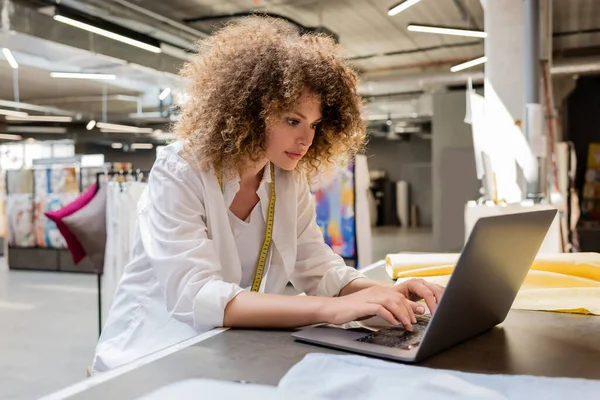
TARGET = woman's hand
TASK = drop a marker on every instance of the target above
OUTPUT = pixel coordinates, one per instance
(417, 289)
(386, 302)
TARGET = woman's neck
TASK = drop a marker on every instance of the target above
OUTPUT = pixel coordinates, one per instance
(252, 173)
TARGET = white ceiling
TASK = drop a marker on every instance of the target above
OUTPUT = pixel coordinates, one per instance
(363, 26)
(364, 29)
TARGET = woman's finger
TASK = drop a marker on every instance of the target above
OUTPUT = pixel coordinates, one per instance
(420, 289)
(398, 309)
(418, 308)
(407, 304)
(382, 312)
(436, 289)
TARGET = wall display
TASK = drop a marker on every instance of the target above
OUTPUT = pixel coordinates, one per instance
(19, 212)
(590, 208)
(46, 232)
(334, 193)
(19, 181)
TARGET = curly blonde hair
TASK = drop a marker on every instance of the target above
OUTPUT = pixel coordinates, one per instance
(256, 69)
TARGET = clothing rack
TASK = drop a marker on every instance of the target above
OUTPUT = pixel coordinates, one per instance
(129, 173)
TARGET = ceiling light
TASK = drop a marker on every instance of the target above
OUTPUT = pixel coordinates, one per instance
(107, 34)
(7, 136)
(440, 30)
(10, 58)
(398, 8)
(117, 145)
(90, 125)
(78, 75)
(39, 118)
(163, 95)
(142, 146)
(13, 113)
(469, 64)
(36, 129)
(112, 128)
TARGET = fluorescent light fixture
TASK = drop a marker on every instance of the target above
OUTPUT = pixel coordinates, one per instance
(10, 58)
(111, 128)
(163, 95)
(469, 64)
(90, 125)
(164, 136)
(79, 75)
(398, 8)
(92, 160)
(7, 136)
(440, 30)
(146, 115)
(107, 34)
(117, 145)
(13, 113)
(39, 118)
(36, 129)
(142, 146)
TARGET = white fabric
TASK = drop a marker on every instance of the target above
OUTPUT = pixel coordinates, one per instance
(192, 389)
(356, 377)
(121, 220)
(364, 245)
(550, 245)
(249, 236)
(185, 267)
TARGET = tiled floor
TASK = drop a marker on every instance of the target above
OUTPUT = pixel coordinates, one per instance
(48, 321)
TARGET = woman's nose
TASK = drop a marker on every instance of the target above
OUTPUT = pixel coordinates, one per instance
(306, 137)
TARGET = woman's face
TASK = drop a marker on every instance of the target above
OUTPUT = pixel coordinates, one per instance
(290, 135)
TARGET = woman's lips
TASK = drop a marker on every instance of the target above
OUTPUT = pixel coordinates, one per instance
(294, 156)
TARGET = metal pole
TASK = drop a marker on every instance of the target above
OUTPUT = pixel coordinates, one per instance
(536, 189)
(531, 37)
(104, 103)
(16, 85)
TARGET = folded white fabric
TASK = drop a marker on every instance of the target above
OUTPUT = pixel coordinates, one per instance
(356, 377)
(192, 389)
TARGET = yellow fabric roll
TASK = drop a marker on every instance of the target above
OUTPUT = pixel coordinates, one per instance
(567, 282)
(395, 264)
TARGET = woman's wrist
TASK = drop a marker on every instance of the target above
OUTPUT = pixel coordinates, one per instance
(359, 284)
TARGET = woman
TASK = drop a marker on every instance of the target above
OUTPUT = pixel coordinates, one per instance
(227, 219)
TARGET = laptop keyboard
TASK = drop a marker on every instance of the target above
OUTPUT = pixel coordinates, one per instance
(397, 337)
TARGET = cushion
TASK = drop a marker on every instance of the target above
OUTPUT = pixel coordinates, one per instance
(88, 225)
(73, 244)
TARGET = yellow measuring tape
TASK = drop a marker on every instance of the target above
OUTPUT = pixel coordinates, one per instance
(264, 251)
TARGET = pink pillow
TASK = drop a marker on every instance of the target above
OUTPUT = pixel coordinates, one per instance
(74, 245)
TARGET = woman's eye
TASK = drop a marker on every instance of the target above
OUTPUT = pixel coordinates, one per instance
(292, 122)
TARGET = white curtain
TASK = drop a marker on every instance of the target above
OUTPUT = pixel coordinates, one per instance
(364, 243)
(121, 220)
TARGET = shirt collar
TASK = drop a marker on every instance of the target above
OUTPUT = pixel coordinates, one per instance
(266, 178)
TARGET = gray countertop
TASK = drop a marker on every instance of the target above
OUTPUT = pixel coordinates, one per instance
(528, 342)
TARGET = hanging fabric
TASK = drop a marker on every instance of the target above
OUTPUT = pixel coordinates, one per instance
(121, 220)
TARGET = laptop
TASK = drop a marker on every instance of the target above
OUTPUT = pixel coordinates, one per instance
(489, 273)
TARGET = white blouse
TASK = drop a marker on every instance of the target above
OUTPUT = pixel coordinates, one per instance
(187, 266)
(249, 237)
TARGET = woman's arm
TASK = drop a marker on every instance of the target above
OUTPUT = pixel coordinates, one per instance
(359, 284)
(261, 310)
